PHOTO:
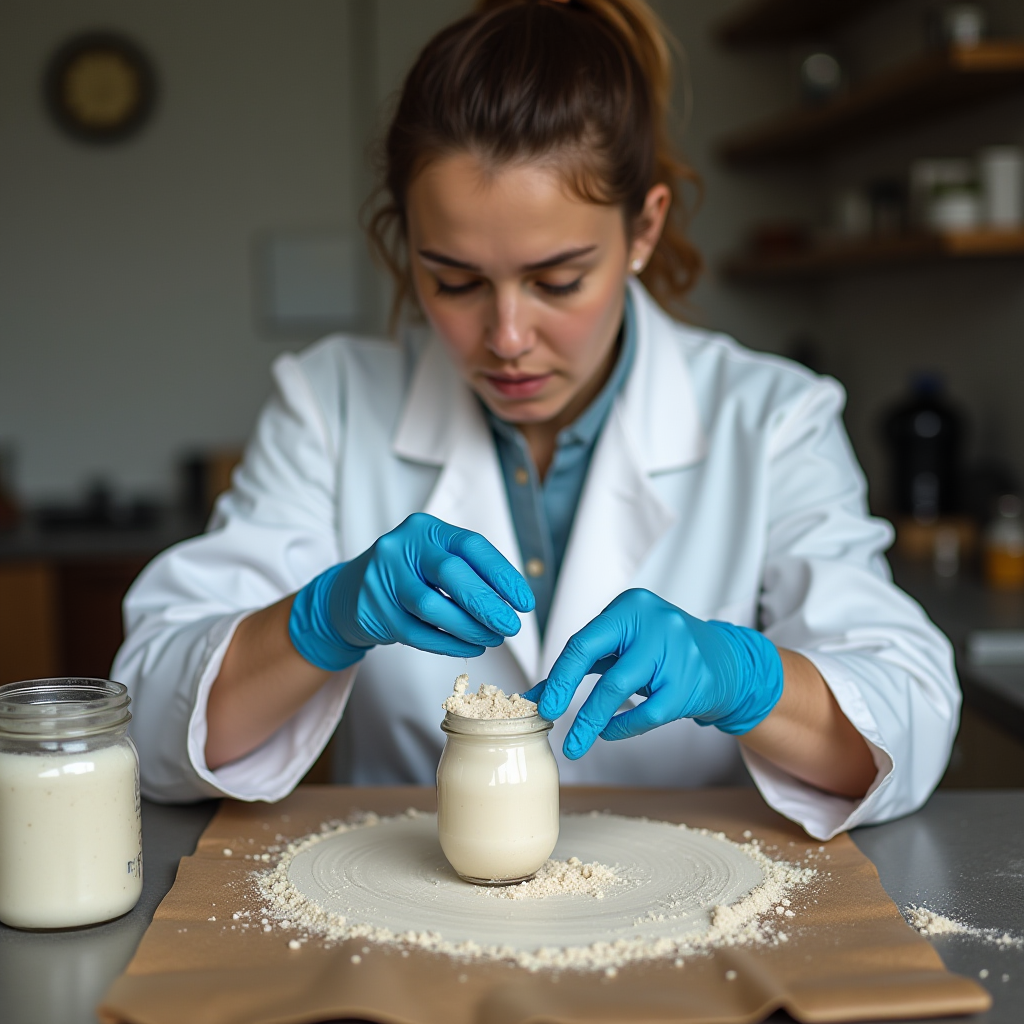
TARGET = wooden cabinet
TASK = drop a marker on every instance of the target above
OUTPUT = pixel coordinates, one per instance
(62, 617)
(61, 599)
(90, 594)
(29, 644)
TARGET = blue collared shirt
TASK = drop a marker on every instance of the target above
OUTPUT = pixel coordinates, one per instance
(543, 512)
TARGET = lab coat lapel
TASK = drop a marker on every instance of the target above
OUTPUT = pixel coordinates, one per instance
(653, 427)
(442, 425)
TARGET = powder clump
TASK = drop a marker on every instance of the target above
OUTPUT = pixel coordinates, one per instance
(487, 702)
(927, 922)
(560, 878)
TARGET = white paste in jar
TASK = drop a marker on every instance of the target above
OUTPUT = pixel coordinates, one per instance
(70, 836)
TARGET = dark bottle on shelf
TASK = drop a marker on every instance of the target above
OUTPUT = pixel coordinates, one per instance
(924, 434)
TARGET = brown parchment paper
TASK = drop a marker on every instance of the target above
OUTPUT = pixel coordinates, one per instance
(850, 955)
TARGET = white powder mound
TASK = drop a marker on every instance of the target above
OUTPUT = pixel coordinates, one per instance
(487, 702)
(754, 919)
(931, 925)
(927, 922)
(559, 878)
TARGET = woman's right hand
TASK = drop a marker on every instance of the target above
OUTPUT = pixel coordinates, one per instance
(426, 584)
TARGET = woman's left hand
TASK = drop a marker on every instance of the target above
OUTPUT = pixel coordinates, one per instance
(713, 672)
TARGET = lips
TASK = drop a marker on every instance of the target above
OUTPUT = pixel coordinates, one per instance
(518, 385)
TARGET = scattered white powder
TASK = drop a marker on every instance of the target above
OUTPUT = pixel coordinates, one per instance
(751, 920)
(559, 877)
(487, 702)
(930, 924)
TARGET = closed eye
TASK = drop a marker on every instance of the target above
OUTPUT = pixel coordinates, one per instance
(561, 289)
(456, 289)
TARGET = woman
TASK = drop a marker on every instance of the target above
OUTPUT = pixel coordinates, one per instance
(564, 482)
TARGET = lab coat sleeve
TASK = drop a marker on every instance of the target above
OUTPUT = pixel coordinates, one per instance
(828, 594)
(269, 535)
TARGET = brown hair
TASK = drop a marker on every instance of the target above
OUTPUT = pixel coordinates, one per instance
(522, 79)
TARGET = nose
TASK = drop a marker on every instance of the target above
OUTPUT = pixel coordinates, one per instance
(509, 334)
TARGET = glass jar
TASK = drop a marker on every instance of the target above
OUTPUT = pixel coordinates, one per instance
(70, 810)
(497, 797)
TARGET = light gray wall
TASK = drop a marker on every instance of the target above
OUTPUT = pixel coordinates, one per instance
(127, 308)
(127, 327)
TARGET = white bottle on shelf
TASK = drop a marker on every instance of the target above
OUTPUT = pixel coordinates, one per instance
(1001, 172)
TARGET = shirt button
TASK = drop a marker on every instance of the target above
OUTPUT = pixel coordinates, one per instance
(522, 477)
(534, 567)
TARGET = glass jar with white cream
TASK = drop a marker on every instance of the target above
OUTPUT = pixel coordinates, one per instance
(497, 797)
(70, 811)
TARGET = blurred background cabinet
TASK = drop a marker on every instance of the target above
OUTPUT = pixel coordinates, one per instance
(29, 644)
(62, 616)
(886, 222)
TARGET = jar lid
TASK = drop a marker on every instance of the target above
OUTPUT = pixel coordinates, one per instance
(60, 708)
(496, 727)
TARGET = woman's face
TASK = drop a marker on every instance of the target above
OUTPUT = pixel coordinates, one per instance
(523, 281)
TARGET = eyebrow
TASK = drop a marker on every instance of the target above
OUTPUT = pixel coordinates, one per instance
(550, 261)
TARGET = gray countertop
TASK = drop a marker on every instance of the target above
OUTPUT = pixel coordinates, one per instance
(962, 855)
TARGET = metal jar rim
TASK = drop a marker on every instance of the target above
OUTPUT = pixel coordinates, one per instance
(62, 708)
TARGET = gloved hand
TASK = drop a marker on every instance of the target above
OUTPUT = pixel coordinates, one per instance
(425, 584)
(713, 672)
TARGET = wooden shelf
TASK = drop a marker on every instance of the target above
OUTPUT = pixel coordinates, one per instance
(930, 85)
(831, 260)
(767, 22)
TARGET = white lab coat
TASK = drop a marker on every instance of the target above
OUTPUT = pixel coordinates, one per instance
(723, 481)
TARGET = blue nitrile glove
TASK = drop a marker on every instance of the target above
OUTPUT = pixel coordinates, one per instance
(425, 584)
(713, 672)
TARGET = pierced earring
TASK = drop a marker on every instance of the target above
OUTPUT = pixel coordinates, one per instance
(637, 266)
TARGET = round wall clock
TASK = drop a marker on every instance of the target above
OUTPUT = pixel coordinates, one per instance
(100, 87)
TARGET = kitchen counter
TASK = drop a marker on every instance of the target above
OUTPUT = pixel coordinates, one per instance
(962, 855)
(30, 541)
(62, 590)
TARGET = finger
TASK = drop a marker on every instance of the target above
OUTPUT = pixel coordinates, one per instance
(460, 582)
(601, 667)
(628, 674)
(598, 639)
(653, 712)
(490, 565)
(435, 609)
(535, 691)
(412, 632)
